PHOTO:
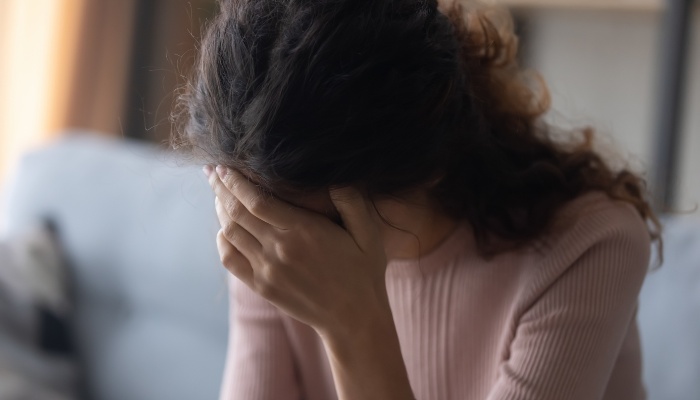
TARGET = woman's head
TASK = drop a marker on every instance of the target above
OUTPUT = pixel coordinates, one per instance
(309, 94)
(390, 95)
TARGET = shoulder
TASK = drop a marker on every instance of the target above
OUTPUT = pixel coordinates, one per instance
(575, 301)
(597, 235)
(593, 218)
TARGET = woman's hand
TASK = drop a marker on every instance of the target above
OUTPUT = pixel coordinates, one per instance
(328, 277)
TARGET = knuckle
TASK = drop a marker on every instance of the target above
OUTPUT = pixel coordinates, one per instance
(223, 258)
(256, 205)
(220, 209)
(266, 271)
(228, 205)
(221, 240)
(271, 274)
(286, 254)
(266, 289)
(226, 258)
(226, 253)
(231, 233)
(236, 208)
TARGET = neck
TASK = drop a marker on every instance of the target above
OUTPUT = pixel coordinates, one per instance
(422, 227)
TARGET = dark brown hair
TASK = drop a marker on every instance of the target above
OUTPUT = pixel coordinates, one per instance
(391, 94)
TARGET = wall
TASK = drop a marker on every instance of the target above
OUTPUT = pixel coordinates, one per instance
(601, 69)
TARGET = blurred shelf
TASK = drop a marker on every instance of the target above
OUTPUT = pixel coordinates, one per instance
(621, 5)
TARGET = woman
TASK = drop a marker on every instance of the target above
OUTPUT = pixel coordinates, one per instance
(398, 221)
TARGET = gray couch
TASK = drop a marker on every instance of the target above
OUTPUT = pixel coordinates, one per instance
(138, 227)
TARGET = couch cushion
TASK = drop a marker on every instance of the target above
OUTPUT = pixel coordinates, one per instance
(669, 315)
(36, 358)
(138, 228)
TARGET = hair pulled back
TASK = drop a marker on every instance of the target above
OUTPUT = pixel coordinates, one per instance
(392, 95)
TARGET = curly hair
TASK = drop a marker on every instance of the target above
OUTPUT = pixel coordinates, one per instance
(392, 94)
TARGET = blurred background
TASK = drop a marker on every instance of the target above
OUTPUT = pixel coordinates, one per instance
(103, 65)
(118, 233)
(112, 66)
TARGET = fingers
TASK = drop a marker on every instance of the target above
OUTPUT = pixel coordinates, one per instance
(235, 209)
(224, 218)
(358, 215)
(271, 210)
(234, 261)
(237, 235)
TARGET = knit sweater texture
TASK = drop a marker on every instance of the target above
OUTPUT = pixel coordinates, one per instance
(556, 320)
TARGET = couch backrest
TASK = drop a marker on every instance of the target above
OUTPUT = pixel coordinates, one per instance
(138, 227)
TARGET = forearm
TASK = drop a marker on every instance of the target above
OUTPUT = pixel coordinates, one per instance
(366, 359)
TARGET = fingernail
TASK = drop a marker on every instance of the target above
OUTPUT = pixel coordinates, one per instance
(221, 170)
(207, 170)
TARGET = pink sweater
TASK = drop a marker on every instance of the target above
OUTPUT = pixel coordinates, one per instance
(557, 322)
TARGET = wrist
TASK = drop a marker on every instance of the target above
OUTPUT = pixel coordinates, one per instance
(360, 332)
(358, 322)
(366, 358)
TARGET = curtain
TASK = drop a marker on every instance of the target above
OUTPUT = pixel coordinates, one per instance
(63, 64)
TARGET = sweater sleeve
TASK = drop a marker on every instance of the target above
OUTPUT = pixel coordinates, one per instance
(567, 340)
(259, 361)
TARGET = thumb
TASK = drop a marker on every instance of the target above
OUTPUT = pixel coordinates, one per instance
(358, 215)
